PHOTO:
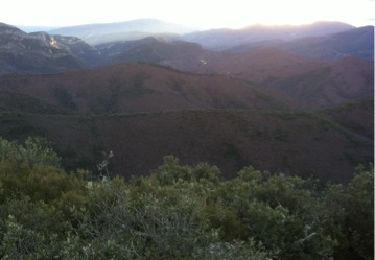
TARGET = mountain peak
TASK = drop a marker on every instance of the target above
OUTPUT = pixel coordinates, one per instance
(6, 25)
(7, 28)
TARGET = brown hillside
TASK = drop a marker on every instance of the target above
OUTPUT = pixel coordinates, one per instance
(300, 144)
(260, 65)
(358, 117)
(311, 83)
(138, 88)
(348, 80)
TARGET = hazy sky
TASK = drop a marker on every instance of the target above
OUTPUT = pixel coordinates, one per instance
(198, 13)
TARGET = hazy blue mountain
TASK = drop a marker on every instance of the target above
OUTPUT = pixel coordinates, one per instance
(357, 42)
(108, 32)
(133, 36)
(227, 38)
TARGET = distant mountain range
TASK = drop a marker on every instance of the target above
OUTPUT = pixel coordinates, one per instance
(228, 38)
(313, 81)
(293, 68)
(357, 42)
(130, 30)
(214, 39)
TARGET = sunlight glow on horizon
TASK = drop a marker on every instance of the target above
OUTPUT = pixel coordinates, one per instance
(196, 13)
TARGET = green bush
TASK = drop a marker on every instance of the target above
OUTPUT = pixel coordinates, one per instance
(349, 215)
(176, 212)
(33, 151)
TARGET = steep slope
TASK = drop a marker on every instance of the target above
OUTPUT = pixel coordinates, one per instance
(87, 54)
(180, 55)
(259, 65)
(11, 101)
(301, 144)
(228, 38)
(40, 52)
(138, 88)
(347, 80)
(357, 42)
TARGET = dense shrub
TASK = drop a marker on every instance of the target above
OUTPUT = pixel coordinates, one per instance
(33, 151)
(176, 212)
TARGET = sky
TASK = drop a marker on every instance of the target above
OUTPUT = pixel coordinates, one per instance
(200, 14)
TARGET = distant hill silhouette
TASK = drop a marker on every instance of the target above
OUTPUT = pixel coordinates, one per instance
(228, 38)
(121, 31)
(358, 42)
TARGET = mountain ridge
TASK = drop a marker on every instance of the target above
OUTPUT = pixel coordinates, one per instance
(40, 52)
(228, 38)
(96, 33)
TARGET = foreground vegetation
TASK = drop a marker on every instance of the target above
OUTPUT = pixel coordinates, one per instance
(176, 212)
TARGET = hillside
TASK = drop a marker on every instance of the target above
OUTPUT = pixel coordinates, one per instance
(298, 79)
(178, 54)
(133, 89)
(347, 80)
(301, 144)
(357, 116)
(260, 65)
(256, 65)
(357, 42)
